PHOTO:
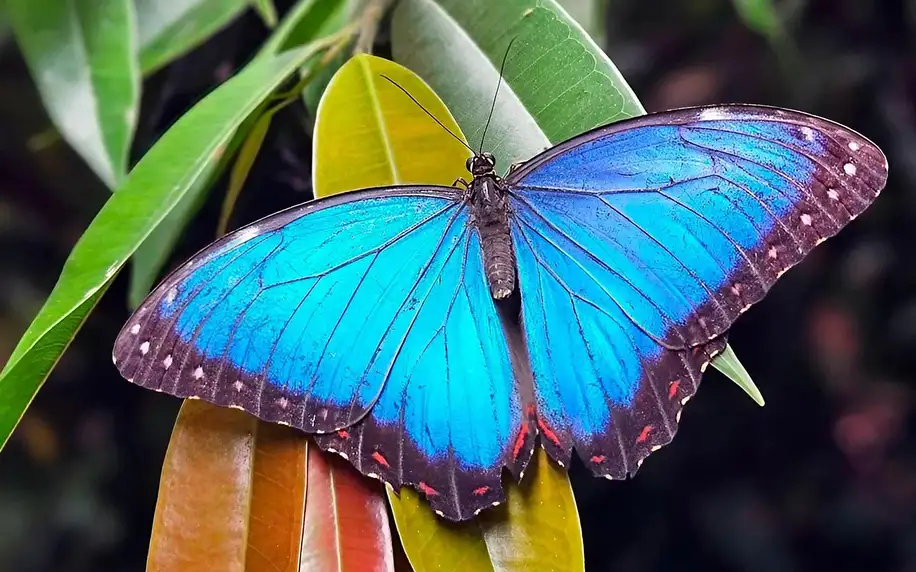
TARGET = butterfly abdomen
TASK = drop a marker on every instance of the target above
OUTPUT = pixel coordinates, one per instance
(499, 261)
(491, 216)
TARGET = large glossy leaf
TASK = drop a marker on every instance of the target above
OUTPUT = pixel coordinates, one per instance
(370, 134)
(158, 182)
(82, 55)
(538, 529)
(240, 495)
(232, 495)
(301, 26)
(173, 28)
(557, 82)
(346, 521)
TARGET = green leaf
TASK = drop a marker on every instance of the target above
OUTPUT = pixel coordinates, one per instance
(727, 363)
(557, 82)
(171, 29)
(158, 182)
(267, 11)
(82, 55)
(589, 14)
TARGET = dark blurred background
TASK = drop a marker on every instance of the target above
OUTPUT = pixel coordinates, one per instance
(822, 478)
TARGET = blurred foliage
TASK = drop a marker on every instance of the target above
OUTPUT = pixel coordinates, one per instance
(823, 478)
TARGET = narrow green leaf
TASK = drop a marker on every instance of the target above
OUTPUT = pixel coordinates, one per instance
(557, 82)
(242, 166)
(267, 11)
(158, 182)
(589, 14)
(82, 55)
(26, 375)
(307, 21)
(171, 29)
(727, 363)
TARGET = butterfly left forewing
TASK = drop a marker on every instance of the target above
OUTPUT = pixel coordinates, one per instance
(363, 317)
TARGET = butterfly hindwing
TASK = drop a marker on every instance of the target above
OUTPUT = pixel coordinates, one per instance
(638, 245)
(339, 316)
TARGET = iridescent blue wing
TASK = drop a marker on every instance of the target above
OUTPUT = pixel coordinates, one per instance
(365, 310)
(639, 244)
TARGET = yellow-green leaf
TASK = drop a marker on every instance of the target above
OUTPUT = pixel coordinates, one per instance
(369, 133)
(538, 529)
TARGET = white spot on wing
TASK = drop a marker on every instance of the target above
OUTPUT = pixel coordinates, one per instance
(135, 329)
(198, 373)
(806, 219)
(808, 133)
(243, 236)
(713, 114)
(170, 295)
(238, 385)
(849, 169)
(167, 362)
(833, 194)
(772, 253)
(284, 402)
(144, 347)
(853, 146)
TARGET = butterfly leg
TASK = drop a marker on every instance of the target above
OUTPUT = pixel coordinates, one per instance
(460, 182)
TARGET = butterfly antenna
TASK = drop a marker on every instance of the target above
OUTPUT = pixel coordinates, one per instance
(426, 111)
(499, 82)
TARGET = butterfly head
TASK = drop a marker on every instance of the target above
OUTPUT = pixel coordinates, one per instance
(481, 164)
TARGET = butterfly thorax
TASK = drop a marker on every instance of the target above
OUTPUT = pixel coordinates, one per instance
(490, 209)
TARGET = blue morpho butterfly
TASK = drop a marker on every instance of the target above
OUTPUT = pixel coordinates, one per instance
(429, 334)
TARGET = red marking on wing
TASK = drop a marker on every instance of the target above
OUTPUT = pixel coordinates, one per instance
(672, 389)
(645, 433)
(598, 459)
(545, 430)
(381, 460)
(520, 440)
(343, 434)
(480, 491)
(426, 489)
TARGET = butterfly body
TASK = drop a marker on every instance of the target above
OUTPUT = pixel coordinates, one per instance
(370, 319)
(488, 196)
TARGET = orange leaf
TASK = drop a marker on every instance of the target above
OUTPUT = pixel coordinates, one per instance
(346, 521)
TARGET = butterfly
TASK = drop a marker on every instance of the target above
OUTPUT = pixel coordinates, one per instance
(431, 334)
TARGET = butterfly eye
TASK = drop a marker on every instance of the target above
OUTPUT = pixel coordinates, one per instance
(490, 159)
(469, 164)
